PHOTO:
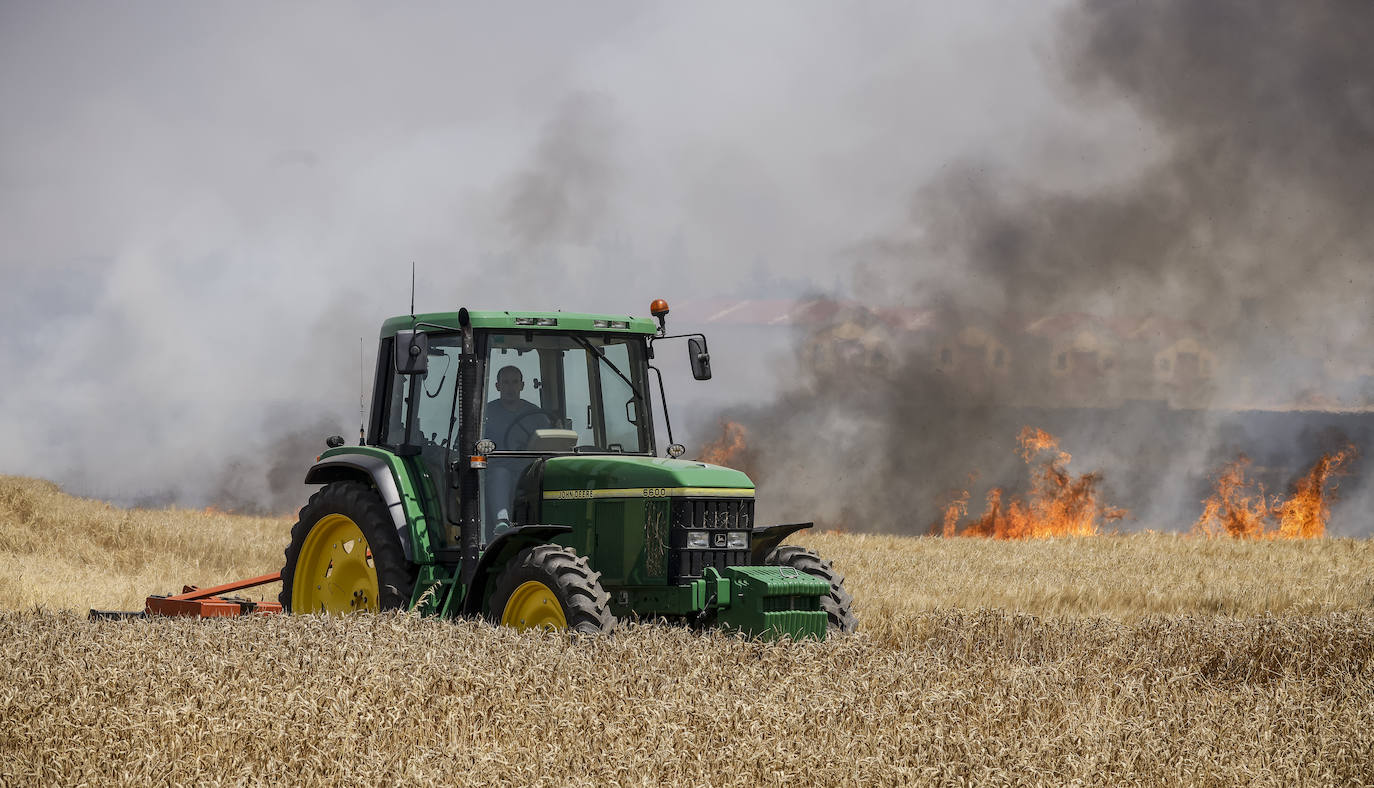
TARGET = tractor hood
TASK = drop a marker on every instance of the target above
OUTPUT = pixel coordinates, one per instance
(648, 476)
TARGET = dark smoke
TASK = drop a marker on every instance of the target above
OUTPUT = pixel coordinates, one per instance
(196, 238)
(563, 197)
(1247, 226)
(1256, 215)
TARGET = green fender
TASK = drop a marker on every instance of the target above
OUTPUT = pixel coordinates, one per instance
(396, 485)
(766, 537)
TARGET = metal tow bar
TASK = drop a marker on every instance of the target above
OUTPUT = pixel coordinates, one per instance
(202, 602)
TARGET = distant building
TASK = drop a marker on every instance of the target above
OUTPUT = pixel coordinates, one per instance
(1066, 359)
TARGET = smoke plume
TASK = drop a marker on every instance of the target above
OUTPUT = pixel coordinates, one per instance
(208, 210)
(1242, 225)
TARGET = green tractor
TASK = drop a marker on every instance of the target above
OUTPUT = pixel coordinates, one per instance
(509, 469)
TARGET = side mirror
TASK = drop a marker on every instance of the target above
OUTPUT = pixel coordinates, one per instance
(412, 352)
(700, 358)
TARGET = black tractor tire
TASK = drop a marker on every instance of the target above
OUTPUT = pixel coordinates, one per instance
(838, 604)
(360, 503)
(586, 605)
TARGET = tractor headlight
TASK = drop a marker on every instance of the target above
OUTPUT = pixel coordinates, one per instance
(697, 540)
(739, 540)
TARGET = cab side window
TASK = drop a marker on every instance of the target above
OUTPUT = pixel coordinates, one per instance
(436, 393)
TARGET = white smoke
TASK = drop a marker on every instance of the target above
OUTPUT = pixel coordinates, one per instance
(203, 208)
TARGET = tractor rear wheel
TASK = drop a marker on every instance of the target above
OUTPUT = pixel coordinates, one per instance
(344, 555)
(838, 604)
(551, 587)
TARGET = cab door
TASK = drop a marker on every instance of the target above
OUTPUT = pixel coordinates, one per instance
(436, 427)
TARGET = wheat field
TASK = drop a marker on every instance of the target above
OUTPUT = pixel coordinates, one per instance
(1149, 659)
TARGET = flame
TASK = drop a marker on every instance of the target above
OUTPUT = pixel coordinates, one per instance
(1059, 503)
(1034, 440)
(954, 511)
(1304, 514)
(729, 448)
(1233, 511)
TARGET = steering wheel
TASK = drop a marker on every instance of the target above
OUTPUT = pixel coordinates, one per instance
(505, 439)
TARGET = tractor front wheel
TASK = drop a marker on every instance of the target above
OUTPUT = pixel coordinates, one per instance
(838, 604)
(551, 587)
(344, 555)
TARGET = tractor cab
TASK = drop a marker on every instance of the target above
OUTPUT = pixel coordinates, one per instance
(544, 385)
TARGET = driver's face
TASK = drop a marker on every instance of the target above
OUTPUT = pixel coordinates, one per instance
(510, 384)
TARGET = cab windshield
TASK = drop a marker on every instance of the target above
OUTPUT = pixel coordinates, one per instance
(566, 393)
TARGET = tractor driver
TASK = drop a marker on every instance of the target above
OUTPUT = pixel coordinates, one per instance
(510, 423)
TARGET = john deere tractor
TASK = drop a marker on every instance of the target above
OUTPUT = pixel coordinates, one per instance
(510, 470)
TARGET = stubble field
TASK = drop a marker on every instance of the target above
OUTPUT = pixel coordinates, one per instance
(1148, 659)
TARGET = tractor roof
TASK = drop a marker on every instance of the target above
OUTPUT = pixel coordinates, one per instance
(563, 321)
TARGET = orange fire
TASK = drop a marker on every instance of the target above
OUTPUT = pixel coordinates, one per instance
(729, 448)
(1059, 503)
(1034, 440)
(956, 509)
(1233, 511)
(1304, 514)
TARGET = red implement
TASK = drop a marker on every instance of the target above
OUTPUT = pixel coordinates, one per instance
(207, 602)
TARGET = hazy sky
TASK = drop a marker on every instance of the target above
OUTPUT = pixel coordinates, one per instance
(204, 206)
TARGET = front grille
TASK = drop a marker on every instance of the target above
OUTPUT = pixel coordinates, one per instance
(691, 563)
(708, 514)
(715, 516)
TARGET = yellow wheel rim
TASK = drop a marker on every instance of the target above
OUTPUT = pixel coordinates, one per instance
(534, 605)
(335, 572)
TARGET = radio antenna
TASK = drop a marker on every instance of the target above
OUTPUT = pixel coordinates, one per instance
(362, 393)
(412, 293)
